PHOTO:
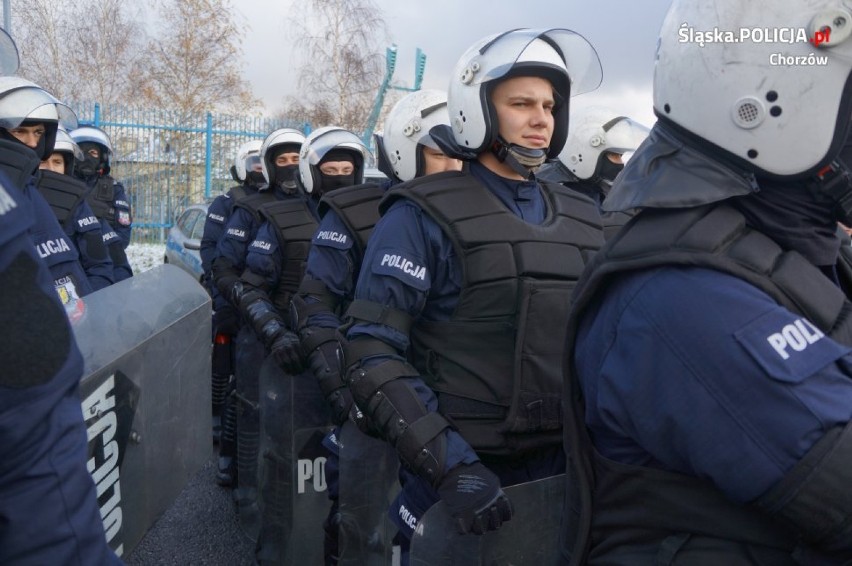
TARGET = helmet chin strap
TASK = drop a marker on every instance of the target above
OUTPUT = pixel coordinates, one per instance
(522, 160)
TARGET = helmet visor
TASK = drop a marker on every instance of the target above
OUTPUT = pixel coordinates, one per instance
(341, 139)
(19, 104)
(624, 135)
(253, 162)
(9, 59)
(498, 56)
(93, 135)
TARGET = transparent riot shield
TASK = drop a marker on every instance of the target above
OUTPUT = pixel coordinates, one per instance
(145, 395)
(531, 537)
(368, 486)
(293, 492)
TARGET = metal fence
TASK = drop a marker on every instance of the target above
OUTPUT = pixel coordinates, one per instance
(168, 160)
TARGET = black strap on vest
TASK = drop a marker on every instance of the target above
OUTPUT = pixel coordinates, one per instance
(369, 311)
(63, 193)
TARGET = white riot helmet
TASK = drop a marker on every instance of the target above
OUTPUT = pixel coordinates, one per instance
(406, 130)
(595, 131)
(69, 150)
(93, 135)
(22, 101)
(561, 56)
(777, 104)
(283, 138)
(248, 154)
(319, 144)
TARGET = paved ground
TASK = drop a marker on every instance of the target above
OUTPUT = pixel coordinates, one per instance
(200, 528)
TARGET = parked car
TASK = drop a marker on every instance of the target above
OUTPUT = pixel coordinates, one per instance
(184, 240)
(371, 174)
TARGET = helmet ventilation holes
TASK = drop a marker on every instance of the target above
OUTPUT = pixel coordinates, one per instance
(748, 112)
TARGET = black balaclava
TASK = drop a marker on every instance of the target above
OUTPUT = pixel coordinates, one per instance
(40, 148)
(795, 217)
(285, 175)
(253, 177)
(607, 170)
(332, 182)
(91, 166)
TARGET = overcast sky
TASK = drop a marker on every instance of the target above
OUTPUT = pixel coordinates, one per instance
(624, 33)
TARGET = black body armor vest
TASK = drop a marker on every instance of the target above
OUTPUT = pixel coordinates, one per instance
(102, 199)
(239, 191)
(63, 193)
(358, 208)
(295, 224)
(638, 509)
(497, 364)
(254, 202)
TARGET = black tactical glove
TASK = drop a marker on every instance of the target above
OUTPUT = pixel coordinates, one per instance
(286, 351)
(475, 499)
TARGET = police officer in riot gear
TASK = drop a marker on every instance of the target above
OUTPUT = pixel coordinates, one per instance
(115, 243)
(29, 119)
(330, 158)
(247, 172)
(67, 199)
(592, 158)
(405, 151)
(279, 155)
(108, 197)
(709, 350)
(71, 156)
(457, 263)
(48, 505)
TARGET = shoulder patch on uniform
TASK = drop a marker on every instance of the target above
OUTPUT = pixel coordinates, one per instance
(789, 348)
(332, 239)
(88, 223)
(262, 246)
(239, 234)
(215, 218)
(404, 266)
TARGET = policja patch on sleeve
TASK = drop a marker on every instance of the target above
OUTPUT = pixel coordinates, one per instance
(332, 239)
(788, 348)
(405, 266)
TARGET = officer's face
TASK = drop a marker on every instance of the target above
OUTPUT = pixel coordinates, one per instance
(335, 168)
(434, 161)
(524, 107)
(28, 135)
(614, 157)
(288, 158)
(94, 152)
(55, 163)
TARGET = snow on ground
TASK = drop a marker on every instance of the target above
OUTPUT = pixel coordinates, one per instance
(143, 257)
